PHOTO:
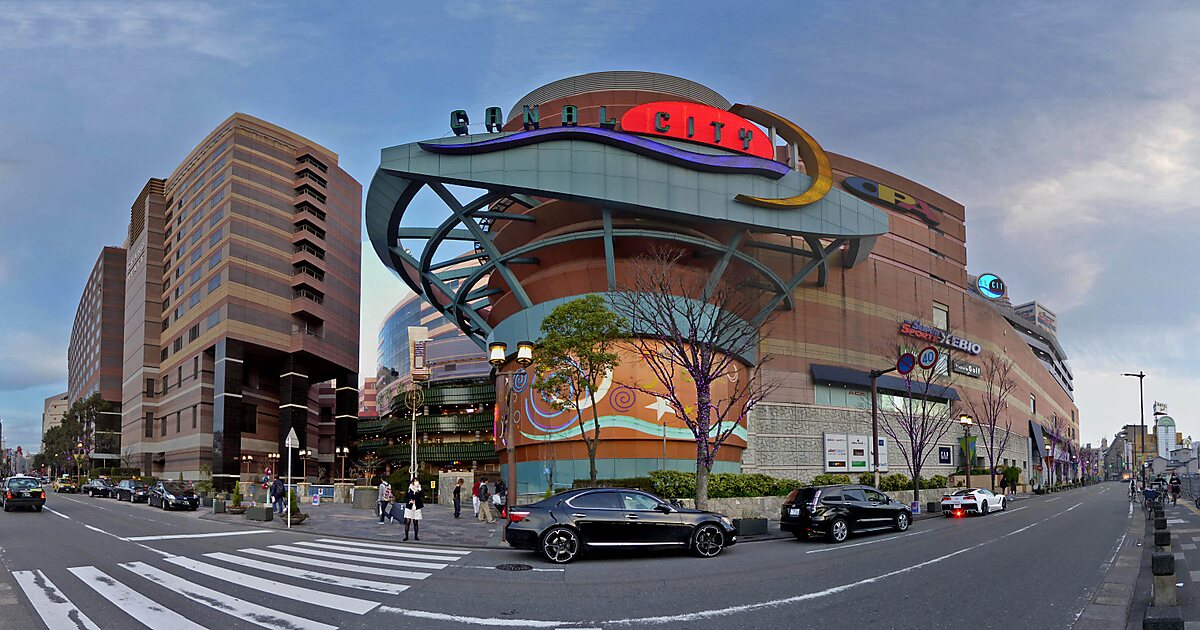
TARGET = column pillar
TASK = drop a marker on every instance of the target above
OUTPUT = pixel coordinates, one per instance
(228, 369)
(293, 411)
(345, 411)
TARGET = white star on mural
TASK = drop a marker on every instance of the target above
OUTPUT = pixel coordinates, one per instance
(661, 407)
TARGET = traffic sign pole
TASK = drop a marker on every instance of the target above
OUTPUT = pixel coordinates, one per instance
(291, 442)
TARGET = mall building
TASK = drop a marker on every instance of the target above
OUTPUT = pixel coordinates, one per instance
(241, 295)
(582, 176)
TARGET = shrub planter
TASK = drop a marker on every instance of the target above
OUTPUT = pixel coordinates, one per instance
(261, 513)
(933, 507)
(206, 501)
(750, 526)
(366, 497)
(218, 506)
(296, 518)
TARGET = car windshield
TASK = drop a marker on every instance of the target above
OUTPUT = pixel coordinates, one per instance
(175, 488)
(104, 482)
(22, 483)
(137, 485)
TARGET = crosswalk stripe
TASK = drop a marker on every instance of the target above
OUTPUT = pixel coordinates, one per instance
(350, 568)
(379, 552)
(248, 532)
(323, 578)
(133, 603)
(342, 556)
(277, 588)
(242, 609)
(51, 605)
(404, 547)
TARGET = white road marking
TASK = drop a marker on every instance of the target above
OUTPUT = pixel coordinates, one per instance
(869, 542)
(352, 568)
(335, 580)
(242, 609)
(371, 545)
(1052, 500)
(1012, 510)
(713, 613)
(210, 535)
(277, 588)
(472, 566)
(132, 603)
(56, 611)
(378, 552)
(341, 556)
(56, 513)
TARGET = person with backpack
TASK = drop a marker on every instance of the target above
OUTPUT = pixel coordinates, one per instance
(385, 499)
(485, 500)
(278, 493)
(413, 502)
(500, 499)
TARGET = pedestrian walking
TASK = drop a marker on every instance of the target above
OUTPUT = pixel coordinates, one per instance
(485, 500)
(1176, 486)
(1004, 485)
(278, 492)
(385, 501)
(475, 496)
(500, 499)
(414, 500)
(458, 497)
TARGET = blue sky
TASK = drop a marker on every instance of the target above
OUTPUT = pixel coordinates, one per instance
(1068, 129)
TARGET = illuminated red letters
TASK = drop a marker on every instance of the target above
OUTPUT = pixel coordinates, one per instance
(698, 123)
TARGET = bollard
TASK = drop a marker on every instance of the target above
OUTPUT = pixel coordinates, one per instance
(1162, 566)
(1162, 540)
(1160, 523)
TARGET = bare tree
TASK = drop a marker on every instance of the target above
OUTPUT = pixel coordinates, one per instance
(1056, 444)
(689, 329)
(130, 458)
(920, 418)
(991, 409)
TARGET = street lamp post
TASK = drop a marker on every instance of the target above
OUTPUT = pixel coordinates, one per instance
(498, 356)
(966, 421)
(78, 457)
(875, 374)
(343, 452)
(1141, 376)
(247, 459)
(304, 453)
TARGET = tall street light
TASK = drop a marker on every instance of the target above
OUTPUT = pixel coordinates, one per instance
(343, 452)
(1141, 376)
(966, 421)
(497, 356)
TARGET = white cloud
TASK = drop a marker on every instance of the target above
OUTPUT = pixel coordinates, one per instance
(29, 360)
(200, 28)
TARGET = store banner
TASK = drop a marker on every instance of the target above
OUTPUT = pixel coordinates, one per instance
(963, 448)
(852, 453)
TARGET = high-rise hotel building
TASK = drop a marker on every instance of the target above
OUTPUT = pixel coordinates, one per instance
(242, 294)
(94, 352)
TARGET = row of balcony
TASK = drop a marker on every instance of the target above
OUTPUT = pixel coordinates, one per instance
(444, 452)
(308, 277)
(438, 395)
(451, 423)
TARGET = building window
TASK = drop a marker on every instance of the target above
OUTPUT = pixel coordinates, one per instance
(166, 383)
(179, 423)
(177, 345)
(179, 375)
(194, 417)
(214, 283)
(149, 424)
(163, 420)
(250, 418)
(149, 388)
(162, 356)
(194, 333)
(196, 365)
(941, 316)
(1032, 405)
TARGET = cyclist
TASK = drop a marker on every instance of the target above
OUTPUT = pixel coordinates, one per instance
(1176, 487)
(1150, 495)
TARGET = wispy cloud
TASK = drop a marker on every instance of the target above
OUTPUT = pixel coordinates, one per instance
(31, 360)
(201, 28)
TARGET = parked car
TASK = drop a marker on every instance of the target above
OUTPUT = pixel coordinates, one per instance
(562, 526)
(837, 511)
(22, 491)
(978, 500)
(173, 494)
(133, 490)
(64, 484)
(98, 488)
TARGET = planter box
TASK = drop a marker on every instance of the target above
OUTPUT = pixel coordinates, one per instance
(295, 519)
(750, 526)
(261, 513)
(218, 506)
(366, 497)
(933, 507)
(206, 501)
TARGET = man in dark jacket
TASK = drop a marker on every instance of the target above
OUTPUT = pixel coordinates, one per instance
(278, 493)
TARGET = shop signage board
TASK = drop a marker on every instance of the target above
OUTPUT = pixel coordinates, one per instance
(991, 286)
(914, 328)
(889, 197)
(851, 453)
(967, 368)
(944, 455)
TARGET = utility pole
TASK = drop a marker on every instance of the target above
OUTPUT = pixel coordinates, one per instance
(1141, 376)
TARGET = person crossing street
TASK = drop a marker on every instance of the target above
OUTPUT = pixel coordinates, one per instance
(485, 502)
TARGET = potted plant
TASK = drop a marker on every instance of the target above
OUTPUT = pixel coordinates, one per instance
(295, 516)
(235, 506)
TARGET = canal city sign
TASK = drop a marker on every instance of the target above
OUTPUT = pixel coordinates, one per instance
(914, 328)
(883, 194)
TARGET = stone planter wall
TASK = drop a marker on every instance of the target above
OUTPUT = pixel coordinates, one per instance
(261, 513)
(366, 497)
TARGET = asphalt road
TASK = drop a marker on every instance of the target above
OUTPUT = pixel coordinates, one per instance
(1034, 566)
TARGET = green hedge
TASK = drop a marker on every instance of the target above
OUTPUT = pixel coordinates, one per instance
(115, 472)
(899, 482)
(641, 483)
(831, 479)
(674, 484)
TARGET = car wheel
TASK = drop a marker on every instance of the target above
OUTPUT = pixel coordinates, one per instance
(560, 545)
(839, 530)
(708, 540)
(800, 535)
(983, 509)
(163, 505)
(1003, 504)
(37, 508)
(902, 521)
(6, 507)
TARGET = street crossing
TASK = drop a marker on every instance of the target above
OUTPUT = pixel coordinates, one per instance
(274, 586)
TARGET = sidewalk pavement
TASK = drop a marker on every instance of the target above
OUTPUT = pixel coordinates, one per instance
(1183, 521)
(1111, 606)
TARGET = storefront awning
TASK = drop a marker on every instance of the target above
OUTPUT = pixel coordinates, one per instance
(835, 375)
(1039, 442)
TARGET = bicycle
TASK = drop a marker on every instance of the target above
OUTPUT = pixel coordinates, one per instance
(1149, 499)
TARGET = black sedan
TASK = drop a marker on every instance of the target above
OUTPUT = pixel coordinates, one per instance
(836, 511)
(98, 488)
(22, 492)
(133, 490)
(173, 494)
(562, 526)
